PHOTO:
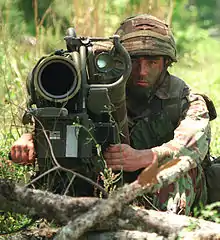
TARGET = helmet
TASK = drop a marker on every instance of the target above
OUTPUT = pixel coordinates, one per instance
(147, 35)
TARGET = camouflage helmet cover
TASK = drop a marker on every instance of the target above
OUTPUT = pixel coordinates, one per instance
(147, 35)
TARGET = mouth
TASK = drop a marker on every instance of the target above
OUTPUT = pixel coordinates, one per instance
(142, 83)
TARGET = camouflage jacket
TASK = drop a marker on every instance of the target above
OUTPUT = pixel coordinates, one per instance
(174, 124)
(192, 136)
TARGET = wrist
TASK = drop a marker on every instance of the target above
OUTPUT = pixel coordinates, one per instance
(147, 157)
(27, 136)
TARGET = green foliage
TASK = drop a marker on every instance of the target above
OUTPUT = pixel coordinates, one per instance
(188, 38)
(208, 13)
(110, 179)
(198, 66)
(202, 12)
(198, 59)
(11, 171)
(11, 223)
(209, 212)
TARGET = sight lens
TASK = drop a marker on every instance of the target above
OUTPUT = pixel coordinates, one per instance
(104, 62)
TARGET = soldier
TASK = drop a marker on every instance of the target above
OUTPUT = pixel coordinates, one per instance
(166, 120)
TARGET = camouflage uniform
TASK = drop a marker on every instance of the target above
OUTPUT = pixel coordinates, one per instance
(172, 122)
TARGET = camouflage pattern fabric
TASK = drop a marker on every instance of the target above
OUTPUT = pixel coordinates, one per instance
(145, 34)
(191, 138)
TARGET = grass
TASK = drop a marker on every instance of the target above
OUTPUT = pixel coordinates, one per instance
(198, 66)
(200, 69)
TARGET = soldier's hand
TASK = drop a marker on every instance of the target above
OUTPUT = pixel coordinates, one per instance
(123, 156)
(22, 151)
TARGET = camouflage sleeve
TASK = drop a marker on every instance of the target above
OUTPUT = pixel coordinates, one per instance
(192, 136)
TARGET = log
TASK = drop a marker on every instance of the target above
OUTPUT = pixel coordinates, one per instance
(130, 218)
(151, 179)
(91, 213)
(42, 203)
(168, 224)
(123, 234)
(117, 235)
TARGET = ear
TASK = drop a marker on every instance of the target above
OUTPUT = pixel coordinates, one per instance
(167, 62)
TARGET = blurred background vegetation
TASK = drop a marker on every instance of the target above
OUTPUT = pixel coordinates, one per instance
(32, 28)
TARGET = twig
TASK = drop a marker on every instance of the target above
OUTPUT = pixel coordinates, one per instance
(35, 6)
(63, 208)
(44, 16)
(66, 169)
(75, 229)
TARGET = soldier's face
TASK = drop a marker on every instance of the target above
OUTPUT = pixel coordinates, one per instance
(146, 70)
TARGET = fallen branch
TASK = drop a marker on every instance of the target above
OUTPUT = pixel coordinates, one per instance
(63, 209)
(47, 205)
(117, 235)
(150, 180)
(168, 224)
(67, 208)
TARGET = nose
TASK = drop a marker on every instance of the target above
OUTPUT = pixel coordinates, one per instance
(144, 68)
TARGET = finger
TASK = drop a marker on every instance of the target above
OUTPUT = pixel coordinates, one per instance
(18, 154)
(24, 154)
(127, 167)
(114, 155)
(117, 161)
(117, 148)
(12, 153)
(31, 156)
(27, 136)
(115, 167)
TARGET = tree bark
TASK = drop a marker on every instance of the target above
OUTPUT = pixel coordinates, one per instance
(151, 179)
(117, 235)
(44, 204)
(130, 218)
(85, 214)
